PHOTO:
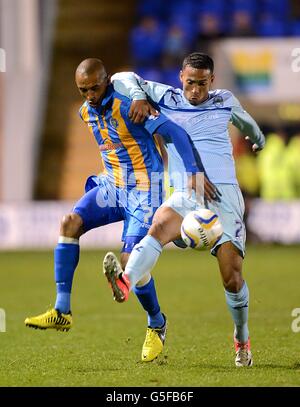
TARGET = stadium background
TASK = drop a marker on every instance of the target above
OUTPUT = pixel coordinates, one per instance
(46, 154)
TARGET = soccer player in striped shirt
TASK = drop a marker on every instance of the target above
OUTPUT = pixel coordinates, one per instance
(205, 115)
(129, 190)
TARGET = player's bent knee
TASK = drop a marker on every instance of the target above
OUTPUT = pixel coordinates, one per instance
(157, 230)
(71, 225)
(234, 283)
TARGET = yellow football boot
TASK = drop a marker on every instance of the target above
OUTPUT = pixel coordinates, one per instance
(154, 342)
(50, 319)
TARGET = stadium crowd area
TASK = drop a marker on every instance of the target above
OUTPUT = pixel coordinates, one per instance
(166, 31)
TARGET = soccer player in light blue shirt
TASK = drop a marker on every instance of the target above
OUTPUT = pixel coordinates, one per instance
(205, 115)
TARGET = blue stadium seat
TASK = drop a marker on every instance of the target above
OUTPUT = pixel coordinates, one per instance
(182, 7)
(270, 27)
(211, 6)
(278, 8)
(171, 77)
(295, 28)
(246, 5)
(155, 8)
(151, 74)
(186, 24)
(146, 41)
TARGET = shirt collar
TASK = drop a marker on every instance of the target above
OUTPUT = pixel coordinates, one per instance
(107, 97)
(106, 101)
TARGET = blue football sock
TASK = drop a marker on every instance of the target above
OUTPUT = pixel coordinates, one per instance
(238, 306)
(142, 259)
(66, 257)
(148, 298)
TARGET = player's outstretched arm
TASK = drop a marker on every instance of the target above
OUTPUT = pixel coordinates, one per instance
(138, 90)
(248, 126)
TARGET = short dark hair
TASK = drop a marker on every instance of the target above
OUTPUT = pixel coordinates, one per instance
(198, 60)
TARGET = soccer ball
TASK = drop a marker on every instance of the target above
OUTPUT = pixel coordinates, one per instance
(201, 229)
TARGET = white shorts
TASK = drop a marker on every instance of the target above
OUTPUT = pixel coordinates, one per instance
(230, 210)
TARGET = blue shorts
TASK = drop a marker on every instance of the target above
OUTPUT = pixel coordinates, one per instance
(230, 210)
(104, 203)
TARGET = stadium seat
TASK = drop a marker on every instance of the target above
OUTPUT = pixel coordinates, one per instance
(294, 28)
(269, 27)
(154, 8)
(186, 24)
(171, 77)
(246, 5)
(145, 41)
(152, 74)
(211, 6)
(278, 8)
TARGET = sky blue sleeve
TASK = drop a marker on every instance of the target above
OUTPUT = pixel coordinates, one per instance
(135, 87)
(246, 124)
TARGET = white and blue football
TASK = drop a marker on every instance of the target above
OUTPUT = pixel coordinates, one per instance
(201, 229)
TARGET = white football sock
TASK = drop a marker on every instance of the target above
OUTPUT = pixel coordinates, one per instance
(142, 259)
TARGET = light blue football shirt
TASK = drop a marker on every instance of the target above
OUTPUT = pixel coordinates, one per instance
(206, 124)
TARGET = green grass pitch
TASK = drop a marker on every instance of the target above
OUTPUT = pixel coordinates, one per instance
(103, 348)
